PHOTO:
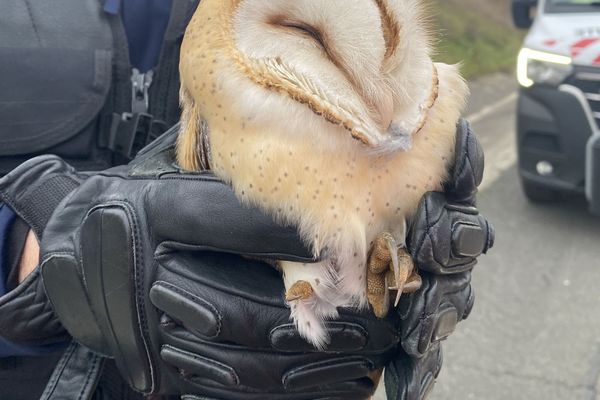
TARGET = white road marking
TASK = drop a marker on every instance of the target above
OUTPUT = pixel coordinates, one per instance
(487, 110)
(499, 157)
(501, 149)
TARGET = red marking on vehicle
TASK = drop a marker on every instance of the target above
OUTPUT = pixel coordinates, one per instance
(596, 61)
(581, 45)
(550, 42)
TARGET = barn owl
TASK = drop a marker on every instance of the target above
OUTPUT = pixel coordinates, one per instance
(329, 115)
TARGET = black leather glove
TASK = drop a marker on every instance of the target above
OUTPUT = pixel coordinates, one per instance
(160, 270)
(410, 378)
(33, 191)
(447, 236)
(233, 338)
(448, 233)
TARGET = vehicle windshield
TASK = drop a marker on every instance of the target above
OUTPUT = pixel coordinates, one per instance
(572, 6)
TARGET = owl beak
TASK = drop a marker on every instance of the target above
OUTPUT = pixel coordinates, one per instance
(371, 138)
(381, 133)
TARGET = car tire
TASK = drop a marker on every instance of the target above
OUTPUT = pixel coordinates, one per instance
(537, 193)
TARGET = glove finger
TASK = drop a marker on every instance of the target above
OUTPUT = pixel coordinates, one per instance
(209, 368)
(262, 372)
(467, 172)
(408, 378)
(209, 213)
(350, 390)
(219, 297)
(194, 397)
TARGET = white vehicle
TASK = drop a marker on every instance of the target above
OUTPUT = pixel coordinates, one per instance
(558, 114)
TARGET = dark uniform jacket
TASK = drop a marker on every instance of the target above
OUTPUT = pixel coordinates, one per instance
(93, 82)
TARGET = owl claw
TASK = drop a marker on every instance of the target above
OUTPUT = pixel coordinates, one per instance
(396, 269)
(386, 300)
(389, 268)
(405, 270)
(413, 284)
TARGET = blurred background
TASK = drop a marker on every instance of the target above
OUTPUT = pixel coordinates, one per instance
(534, 332)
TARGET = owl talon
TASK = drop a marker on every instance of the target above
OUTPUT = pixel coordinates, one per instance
(413, 284)
(300, 290)
(389, 268)
(405, 270)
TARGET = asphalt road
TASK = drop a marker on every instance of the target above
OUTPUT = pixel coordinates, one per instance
(535, 330)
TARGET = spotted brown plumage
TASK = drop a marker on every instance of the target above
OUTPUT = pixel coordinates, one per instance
(330, 115)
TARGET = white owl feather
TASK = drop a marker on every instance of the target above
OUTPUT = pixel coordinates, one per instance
(328, 114)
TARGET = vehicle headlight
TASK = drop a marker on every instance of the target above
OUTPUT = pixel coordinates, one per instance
(538, 67)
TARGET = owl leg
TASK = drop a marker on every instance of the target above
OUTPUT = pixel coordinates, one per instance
(390, 267)
(311, 297)
(378, 265)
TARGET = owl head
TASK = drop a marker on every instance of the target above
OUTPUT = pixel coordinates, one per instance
(357, 69)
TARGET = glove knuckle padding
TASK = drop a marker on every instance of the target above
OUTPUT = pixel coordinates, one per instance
(448, 238)
(431, 237)
(431, 314)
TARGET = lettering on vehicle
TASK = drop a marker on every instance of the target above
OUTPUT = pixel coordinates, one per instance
(592, 31)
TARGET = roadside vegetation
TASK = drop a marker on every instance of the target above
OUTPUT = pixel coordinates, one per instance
(481, 38)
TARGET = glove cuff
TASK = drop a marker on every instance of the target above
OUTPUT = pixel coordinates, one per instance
(35, 188)
(26, 316)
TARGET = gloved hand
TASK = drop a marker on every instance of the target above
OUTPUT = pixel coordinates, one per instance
(162, 271)
(226, 331)
(410, 378)
(33, 191)
(447, 236)
(448, 233)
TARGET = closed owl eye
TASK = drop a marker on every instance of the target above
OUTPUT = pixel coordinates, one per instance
(304, 29)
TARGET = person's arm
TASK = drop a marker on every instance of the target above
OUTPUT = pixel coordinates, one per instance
(183, 232)
(179, 259)
(30, 257)
(7, 218)
(19, 255)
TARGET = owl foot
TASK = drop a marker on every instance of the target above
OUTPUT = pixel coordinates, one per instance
(309, 312)
(300, 290)
(389, 268)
